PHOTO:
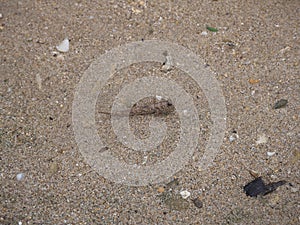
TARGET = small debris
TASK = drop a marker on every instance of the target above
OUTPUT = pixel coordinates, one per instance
(280, 104)
(173, 183)
(212, 29)
(63, 46)
(253, 81)
(258, 187)
(38, 81)
(262, 139)
(159, 98)
(185, 194)
(233, 136)
(253, 173)
(53, 168)
(168, 64)
(229, 43)
(60, 57)
(177, 203)
(198, 203)
(271, 153)
(161, 189)
(20, 176)
(152, 107)
(204, 33)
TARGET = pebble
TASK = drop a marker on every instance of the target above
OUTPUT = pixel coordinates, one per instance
(20, 176)
(253, 81)
(280, 104)
(198, 203)
(161, 189)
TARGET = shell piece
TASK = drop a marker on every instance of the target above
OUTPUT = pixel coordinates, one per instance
(185, 194)
(64, 46)
(271, 153)
(20, 176)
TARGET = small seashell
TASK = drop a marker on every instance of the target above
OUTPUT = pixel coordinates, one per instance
(271, 153)
(158, 97)
(20, 176)
(63, 46)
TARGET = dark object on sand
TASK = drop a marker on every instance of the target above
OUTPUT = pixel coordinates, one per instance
(280, 104)
(198, 203)
(154, 107)
(258, 187)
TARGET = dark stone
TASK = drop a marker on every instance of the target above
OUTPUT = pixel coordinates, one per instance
(198, 203)
(280, 104)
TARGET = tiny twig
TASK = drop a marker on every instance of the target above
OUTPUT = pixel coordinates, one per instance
(161, 107)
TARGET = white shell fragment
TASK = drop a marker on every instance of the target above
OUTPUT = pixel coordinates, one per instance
(262, 139)
(233, 137)
(168, 64)
(63, 46)
(185, 194)
(271, 153)
(158, 97)
(20, 176)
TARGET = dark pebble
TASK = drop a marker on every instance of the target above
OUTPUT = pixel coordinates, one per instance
(280, 104)
(198, 203)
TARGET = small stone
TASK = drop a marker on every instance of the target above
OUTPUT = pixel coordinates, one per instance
(204, 33)
(280, 104)
(161, 189)
(20, 176)
(53, 168)
(253, 81)
(185, 194)
(60, 57)
(294, 189)
(198, 203)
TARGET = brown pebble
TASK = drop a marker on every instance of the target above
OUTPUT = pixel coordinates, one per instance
(198, 203)
(161, 189)
(253, 81)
